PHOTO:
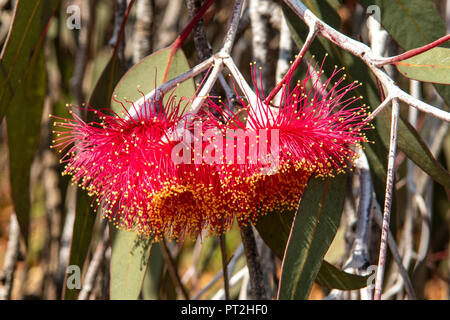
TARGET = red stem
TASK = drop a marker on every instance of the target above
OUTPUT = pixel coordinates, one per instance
(122, 26)
(280, 84)
(417, 51)
(293, 67)
(178, 43)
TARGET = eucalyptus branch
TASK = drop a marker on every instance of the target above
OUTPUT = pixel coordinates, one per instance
(379, 62)
(313, 31)
(257, 284)
(388, 200)
(157, 93)
(232, 30)
(94, 266)
(364, 52)
(394, 250)
(171, 267)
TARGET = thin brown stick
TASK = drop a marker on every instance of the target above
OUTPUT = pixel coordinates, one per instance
(394, 250)
(387, 201)
(11, 258)
(172, 268)
(412, 53)
(223, 249)
(94, 266)
(258, 290)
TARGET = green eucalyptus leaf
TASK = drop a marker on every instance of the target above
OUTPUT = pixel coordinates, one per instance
(430, 66)
(314, 227)
(23, 120)
(129, 261)
(130, 253)
(23, 85)
(149, 73)
(24, 42)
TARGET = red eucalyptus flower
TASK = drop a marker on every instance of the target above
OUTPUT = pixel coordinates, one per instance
(145, 181)
(315, 131)
(126, 165)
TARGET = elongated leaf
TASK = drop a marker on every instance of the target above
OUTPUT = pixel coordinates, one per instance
(24, 123)
(430, 66)
(84, 216)
(315, 225)
(129, 261)
(153, 277)
(104, 88)
(415, 148)
(331, 277)
(149, 73)
(126, 281)
(274, 229)
(22, 92)
(24, 42)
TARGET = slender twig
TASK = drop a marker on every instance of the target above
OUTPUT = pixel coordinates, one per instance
(223, 249)
(364, 52)
(94, 266)
(411, 53)
(207, 86)
(241, 274)
(394, 250)
(232, 29)
(313, 31)
(172, 268)
(388, 200)
(157, 93)
(284, 54)
(257, 284)
(11, 258)
(202, 46)
(117, 40)
(216, 278)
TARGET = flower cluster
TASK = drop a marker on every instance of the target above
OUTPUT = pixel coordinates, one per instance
(226, 167)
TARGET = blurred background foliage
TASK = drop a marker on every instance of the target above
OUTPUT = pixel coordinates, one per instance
(66, 71)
